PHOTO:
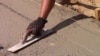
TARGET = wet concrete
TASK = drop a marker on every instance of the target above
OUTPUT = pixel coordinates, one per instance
(77, 34)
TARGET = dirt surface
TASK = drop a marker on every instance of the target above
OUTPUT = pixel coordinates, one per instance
(77, 34)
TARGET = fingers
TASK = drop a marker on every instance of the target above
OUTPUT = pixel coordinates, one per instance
(23, 38)
(26, 34)
(29, 31)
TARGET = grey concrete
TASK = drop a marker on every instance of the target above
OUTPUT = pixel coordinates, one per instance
(77, 34)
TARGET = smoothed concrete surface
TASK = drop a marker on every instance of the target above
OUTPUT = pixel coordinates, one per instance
(77, 34)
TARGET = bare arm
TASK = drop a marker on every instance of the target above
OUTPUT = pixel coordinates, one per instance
(46, 7)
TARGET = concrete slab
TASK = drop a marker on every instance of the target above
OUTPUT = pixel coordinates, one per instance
(21, 7)
(74, 37)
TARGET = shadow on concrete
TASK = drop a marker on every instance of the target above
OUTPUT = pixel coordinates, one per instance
(69, 21)
(1, 47)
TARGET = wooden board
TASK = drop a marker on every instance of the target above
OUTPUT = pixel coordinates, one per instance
(20, 46)
(97, 14)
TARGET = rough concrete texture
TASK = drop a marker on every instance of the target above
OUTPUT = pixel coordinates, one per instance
(77, 34)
